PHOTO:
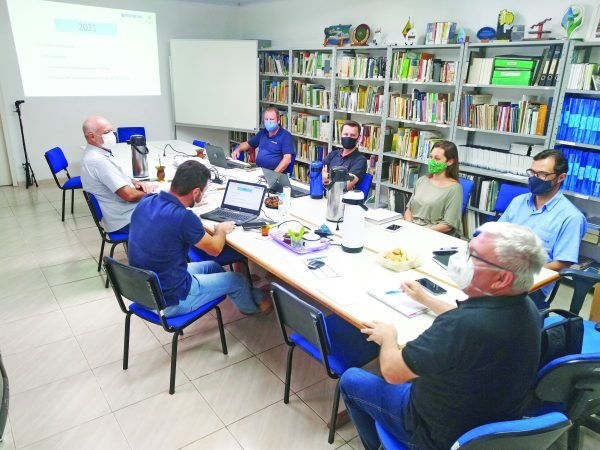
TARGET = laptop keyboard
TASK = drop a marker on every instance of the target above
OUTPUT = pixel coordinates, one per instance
(233, 215)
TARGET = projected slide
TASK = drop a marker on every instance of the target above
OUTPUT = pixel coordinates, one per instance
(75, 50)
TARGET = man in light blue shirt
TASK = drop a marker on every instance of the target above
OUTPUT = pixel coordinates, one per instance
(558, 223)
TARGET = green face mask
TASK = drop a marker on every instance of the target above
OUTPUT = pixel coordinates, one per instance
(434, 167)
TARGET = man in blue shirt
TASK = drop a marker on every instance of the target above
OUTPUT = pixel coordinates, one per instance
(275, 144)
(161, 232)
(348, 157)
(558, 223)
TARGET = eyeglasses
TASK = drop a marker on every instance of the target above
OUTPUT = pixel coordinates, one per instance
(541, 175)
(471, 255)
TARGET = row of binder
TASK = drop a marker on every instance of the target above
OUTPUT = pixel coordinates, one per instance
(580, 121)
(583, 175)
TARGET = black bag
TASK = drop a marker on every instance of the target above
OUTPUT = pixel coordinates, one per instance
(561, 338)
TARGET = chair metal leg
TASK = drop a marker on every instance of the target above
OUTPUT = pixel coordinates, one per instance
(173, 361)
(126, 341)
(112, 252)
(72, 201)
(288, 375)
(334, 412)
(101, 255)
(63, 204)
(221, 330)
(574, 438)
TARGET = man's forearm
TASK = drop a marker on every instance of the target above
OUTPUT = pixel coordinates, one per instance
(557, 265)
(283, 164)
(392, 365)
(437, 306)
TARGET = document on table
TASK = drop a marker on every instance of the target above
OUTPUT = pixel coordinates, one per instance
(339, 291)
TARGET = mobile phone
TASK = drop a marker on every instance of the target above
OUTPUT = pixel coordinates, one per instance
(253, 225)
(431, 286)
(444, 252)
(393, 227)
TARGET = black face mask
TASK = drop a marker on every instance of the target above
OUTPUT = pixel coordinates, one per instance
(349, 142)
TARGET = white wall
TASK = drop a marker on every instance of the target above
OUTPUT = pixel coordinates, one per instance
(300, 23)
(56, 121)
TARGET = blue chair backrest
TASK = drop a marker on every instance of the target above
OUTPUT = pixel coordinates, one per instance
(124, 133)
(290, 167)
(56, 160)
(94, 206)
(365, 184)
(198, 143)
(506, 193)
(556, 380)
(467, 187)
(530, 433)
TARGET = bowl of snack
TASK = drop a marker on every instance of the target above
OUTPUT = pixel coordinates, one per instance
(399, 260)
(272, 202)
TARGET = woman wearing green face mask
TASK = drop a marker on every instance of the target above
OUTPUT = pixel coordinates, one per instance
(437, 200)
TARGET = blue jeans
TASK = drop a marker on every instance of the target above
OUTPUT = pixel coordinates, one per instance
(369, 398)
(210, 281)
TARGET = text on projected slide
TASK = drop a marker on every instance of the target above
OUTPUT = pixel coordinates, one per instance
(75, 50)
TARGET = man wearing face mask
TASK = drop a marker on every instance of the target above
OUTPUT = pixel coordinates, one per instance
(116, 193)
(163, 230)
(474, 365)
(348, 157)
(558, 223)
(275, 144)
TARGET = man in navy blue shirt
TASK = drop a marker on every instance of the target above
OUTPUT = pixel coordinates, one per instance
(275, 144)
(161, 232)
(348, 157)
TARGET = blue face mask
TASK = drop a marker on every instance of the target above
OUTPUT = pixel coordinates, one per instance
(539, 187)
(270, 125)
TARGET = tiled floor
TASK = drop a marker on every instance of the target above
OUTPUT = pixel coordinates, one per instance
(61, 340)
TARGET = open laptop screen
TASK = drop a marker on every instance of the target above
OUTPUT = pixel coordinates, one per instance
(243, 196)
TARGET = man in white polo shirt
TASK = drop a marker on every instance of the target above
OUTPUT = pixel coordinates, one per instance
(102, 176)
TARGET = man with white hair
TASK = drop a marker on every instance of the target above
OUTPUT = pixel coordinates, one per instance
(102, 176)
(474, 365)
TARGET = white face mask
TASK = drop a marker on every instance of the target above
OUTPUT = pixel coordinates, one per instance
(461, 270)
(110, 140)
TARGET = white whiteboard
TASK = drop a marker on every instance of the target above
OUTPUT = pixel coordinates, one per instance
(215, 83)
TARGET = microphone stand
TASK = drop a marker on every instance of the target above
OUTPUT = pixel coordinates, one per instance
(29, 175)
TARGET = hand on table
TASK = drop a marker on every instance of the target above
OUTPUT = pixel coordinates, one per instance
(380, 332)
(414, 291)
(146, 188)
(225, 227)
(235, 154)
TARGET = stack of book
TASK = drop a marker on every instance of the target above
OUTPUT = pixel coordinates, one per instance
(483, 197)
(580, 121)
(431, 107)
(584, 168)
(361, 66)
(480, 70)
(581, 76)
(311, 126)
(360, 98)
(272, 62)
(312, 64)
(309, 94)
(275, 90)
(495, 159)
(524, 117)
(311, 150)
(422, 67)
(403, 173)
(414, 143)
(440, 33)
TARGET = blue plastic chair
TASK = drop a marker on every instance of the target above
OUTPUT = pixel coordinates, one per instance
(142, 287)
(365, 184)
(467, 187)
(524, 434)
(506, 194)
(124, 133)
(57, 163)
(571, 384)
(112, 238)
(330, 340)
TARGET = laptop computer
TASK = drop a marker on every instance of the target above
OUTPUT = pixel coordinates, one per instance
(241, 203)
(216, 156)
(277, 181)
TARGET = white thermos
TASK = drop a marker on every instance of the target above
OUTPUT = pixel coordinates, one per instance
(353, 227)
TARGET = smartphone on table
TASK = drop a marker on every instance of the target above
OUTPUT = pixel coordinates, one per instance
(431, 286)
(393, 227)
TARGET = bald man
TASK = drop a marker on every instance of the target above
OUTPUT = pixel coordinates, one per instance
(101, 175)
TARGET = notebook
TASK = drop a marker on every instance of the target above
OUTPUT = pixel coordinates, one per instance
(381, 215)
(396, 299)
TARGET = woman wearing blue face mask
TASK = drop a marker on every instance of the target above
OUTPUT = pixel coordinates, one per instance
(275, 144)
(437, 200)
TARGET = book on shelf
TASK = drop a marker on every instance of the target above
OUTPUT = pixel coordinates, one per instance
(440, 33)
(414, 143)
(275, 90)
(524, 117)
(312, 64)
(430, 107)
(273, 62)
(240, 136)
(357, 65)
(580, 120)
(495, 159)
(480, 70)
(403, 173)
(310, 94)
(311, 150)
(372, 165)
(310, 125)
(422, 67)
(360, 98)
(583, 175)
(581, 76)
(302, 172)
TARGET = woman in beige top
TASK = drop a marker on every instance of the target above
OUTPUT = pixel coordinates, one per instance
(437, 200)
